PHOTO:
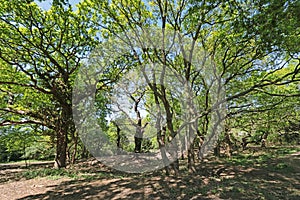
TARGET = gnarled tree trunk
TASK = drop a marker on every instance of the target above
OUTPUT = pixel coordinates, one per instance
(61, 149)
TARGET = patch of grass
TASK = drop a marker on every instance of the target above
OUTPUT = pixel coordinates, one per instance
(49, 172)
(282, 167)
(286, 150)
(55, 174)
(241, 160)
(96, 176)
(264, 155)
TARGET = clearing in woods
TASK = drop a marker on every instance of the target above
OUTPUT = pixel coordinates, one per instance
(272, 173)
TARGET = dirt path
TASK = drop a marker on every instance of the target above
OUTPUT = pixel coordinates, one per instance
(18, 165)
(275, 179)
(23, 188)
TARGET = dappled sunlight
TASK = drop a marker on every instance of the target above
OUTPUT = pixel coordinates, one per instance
(134, 99)
(213, 179)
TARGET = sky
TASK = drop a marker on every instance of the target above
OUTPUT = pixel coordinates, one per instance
(47, 3)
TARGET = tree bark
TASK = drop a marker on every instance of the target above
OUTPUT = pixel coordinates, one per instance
(228, 142)
(61, 149)
(118, 136)
(64, 126)
(74, 150)
(161, 143)
(138, 137)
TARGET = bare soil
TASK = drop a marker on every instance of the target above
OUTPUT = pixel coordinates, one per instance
(277, 178)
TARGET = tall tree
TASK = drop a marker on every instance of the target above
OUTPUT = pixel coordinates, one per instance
(228, 34)
(41, 52)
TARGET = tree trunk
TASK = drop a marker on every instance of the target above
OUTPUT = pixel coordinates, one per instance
(118, 136)
(191, 141)
(217, 150)
(264, 139)
(169, 119)
(191, 159)
(138, 144)
(138, 138)
(161, 144)
(61, 150)
(84, 152)
(74, 150)
(228, 143)
(64, 126)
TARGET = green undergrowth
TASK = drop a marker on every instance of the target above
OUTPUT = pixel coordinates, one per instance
(256, 173)
(52, 173)
(49, 172)
(260, 156)
(269, 158)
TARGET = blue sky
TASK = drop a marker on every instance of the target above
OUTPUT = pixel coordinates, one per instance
(47, 3)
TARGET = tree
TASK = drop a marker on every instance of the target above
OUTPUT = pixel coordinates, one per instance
(242, 60)
(246, 48)
(41, 52)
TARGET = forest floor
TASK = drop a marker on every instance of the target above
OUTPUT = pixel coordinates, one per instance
(271, 173)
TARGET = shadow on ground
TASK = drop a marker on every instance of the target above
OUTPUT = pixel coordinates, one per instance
(275, 178)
